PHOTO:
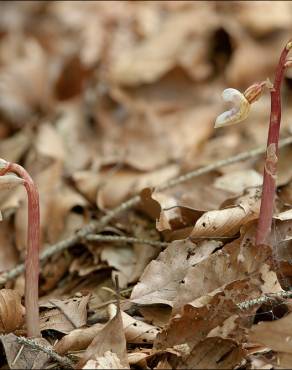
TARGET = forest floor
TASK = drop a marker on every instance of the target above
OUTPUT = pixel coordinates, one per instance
(148, 213)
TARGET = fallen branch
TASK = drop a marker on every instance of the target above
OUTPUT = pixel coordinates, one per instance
(95, 226)
(63, 360)
(125, 239)
(264, 299)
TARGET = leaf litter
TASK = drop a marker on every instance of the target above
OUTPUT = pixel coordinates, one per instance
(103, 102)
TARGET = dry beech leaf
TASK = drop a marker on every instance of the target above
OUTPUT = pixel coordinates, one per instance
(275, 335)
(20, 356)
(74, 309)
(78, 339)
(122, 259)
(136, 331)
(227, 221)
(69, 314)
(234, 261)
(110, 338)
(162, 277)
(155, 56)
(24, 81)
(237, 181)
(213, 353)
(11, 311)
(108, 361)
(199, 318)
(116, 187)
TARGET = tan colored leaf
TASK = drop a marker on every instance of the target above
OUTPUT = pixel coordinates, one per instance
(233, 262)
(227, 222)
(69, 314)
(213, 353)
(110, 338)
(275, 335)
(77, 339)
(162, 277)
(109, 361)
(158, 54)
(200, 317)
(20, 356)
(136, 331)
(74, 309)
(11, 311)
(237, 181)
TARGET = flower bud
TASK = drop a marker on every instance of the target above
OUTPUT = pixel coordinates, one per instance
(254, 92)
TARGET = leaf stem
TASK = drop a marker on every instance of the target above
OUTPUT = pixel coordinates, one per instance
(270, 170)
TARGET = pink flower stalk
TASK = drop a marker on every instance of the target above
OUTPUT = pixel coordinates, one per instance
(33, 244)
(270, 170)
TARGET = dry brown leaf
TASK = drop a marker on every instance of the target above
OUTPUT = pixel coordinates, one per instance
(136, 331)
(237, 181)
(227, 221)
(116, 186)
(234, 261)
(11, 311)
(74, 309)
(200, 317)
(69, 314)
(110, 338)
(213, 353)
(155, 56)
(78, 339)
(163, 276)
(108, 361)
(20, 356)
(275, 335)
(24, 80)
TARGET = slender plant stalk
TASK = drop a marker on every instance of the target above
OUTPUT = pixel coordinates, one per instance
(270, 170)
(32, 253)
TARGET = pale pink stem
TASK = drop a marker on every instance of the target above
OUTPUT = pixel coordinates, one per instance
(270, 170)
(32, 253)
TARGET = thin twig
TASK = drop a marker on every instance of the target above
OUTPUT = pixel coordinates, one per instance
(125, 239)
(96, 226)
(263, 299)
(63, 360)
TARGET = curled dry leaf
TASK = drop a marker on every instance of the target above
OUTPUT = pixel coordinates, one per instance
(162, 277)
(77, 339)
(110, 338)
(227, 221)
(11, 311)
(137, 331)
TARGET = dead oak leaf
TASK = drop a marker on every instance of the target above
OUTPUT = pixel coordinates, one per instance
(162, 277)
